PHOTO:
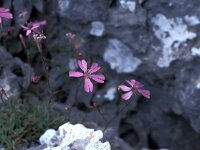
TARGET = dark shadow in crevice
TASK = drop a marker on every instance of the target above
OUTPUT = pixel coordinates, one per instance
(18, 71)
(151, 142)
(128, 134)
(113, 3)
(83, 107)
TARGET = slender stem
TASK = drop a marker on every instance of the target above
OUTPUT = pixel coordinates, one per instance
(46, 71)
(127, 104)
(2, 99)
(102, 115)
(22, 40)
(77, 93)
(97, 108)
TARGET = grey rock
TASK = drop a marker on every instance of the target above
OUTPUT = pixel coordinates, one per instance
(97, 28)
(119, 18)
(172, 33)
(155, 42)
(40, 147)
(9, 85)
(14, 74)
(79, 144)
(126, 14)
(63, 6)
(120, 58)
(83, 11)
(129, 5)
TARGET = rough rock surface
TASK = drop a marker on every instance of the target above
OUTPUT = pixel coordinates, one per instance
(13, 74)
(155, 42)
(69, 137)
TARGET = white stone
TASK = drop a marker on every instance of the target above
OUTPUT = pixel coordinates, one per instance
(198, 85)
(72, 64)
(97, 28)
(129, 5)
(50, 138)
(120, 58)
(63, 5)
(192, 20)
(110, 94)
(68, 134)
(5, 83)
(195, 51)
(172, 33)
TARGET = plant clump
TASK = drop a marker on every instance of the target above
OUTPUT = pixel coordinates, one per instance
(22, 122)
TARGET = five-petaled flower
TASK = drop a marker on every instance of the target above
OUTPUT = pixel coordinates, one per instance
(133, 89)
(5, 13)
(88, 74)
(33, 27)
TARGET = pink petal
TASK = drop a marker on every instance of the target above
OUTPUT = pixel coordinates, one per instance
(145, 93)
(40, 23)
(83, 65)
(94, 68)
(6, 15)
(98, 78)
(124, 88)
(130, 83)
(34, 27)
(24, 27)
(127, 95)
(136, 84)
(75, 74)
(28, 32)
(4, 10)
(88, 85)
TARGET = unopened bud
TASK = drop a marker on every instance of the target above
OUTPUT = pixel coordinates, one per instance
(70, 36)
(38, 37)
(35, 79)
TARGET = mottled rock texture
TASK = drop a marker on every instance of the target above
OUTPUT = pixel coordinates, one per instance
(155, 42)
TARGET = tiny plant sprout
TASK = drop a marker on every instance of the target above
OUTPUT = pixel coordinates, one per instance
(70, 36)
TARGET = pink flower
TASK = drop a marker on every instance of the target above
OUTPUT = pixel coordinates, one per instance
(88, 74)
(5, 13)
(32, 27)
(35, 79)
(133, 89)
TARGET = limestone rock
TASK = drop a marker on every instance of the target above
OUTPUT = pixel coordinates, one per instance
(70, 137)
(97, 28)
(120, 58)
(172, 33)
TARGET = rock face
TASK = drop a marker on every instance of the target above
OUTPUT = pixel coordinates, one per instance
(14, 74)
(120, 58)
(172, 33)
(155, 42)
(69, 137)
(97, 28)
